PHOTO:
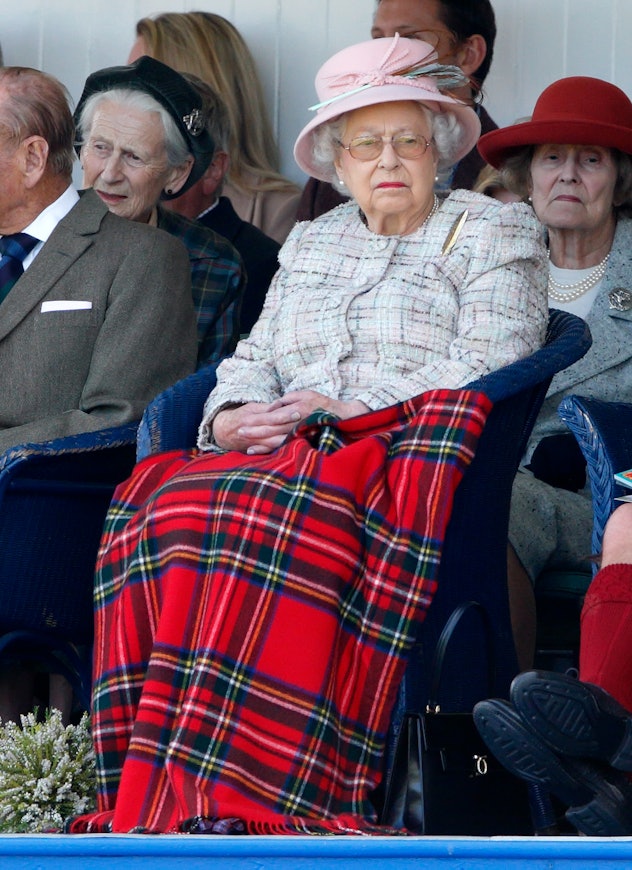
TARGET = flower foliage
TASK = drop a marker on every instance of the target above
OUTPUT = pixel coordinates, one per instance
(47, 773)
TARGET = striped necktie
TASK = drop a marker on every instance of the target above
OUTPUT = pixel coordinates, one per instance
(14, 248)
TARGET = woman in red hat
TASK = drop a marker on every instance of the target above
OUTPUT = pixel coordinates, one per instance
(572, 160)
(574, 736)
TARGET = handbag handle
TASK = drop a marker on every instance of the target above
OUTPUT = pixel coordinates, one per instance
(447, 633)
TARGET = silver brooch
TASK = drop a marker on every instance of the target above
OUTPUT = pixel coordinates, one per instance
(194, 122)
(620, 299)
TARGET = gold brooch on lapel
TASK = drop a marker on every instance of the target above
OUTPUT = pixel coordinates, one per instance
(620, 299)
(455, 231)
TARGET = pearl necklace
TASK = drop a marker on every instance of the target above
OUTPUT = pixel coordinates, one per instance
(435, 206)
(569, 292)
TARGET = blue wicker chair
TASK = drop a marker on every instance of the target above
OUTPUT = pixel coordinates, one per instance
(53, 500)
(602, 430)
(604, 433)
(474, 561)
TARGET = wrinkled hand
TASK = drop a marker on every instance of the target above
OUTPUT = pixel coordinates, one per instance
(261, 427)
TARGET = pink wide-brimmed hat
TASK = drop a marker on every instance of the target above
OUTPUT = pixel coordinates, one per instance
(385, 70)
(577, 110)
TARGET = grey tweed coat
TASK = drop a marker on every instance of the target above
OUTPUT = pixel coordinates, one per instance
(551, 527)
(100, 323)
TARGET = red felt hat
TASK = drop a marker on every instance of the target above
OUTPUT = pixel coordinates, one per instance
(578, 110)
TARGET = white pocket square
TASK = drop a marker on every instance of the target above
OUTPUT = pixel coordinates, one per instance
(66, 305)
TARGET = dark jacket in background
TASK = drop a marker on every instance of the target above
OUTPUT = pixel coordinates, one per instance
(258, 253)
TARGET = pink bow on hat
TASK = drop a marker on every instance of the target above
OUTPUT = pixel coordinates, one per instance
(424, 74)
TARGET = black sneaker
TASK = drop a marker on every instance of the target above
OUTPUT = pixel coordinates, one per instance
(575, 719)
(522, 752)
(609, 813)
(599, 799)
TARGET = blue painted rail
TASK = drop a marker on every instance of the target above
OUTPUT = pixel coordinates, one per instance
(166, 852)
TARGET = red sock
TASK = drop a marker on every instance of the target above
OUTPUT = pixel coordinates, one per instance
(605, 654)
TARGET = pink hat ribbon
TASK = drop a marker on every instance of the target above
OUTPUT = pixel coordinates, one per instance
(425, 74)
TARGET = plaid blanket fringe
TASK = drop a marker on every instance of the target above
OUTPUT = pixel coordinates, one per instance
(254, 615)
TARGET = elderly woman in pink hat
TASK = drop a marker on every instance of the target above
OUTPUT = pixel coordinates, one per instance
(396, 291)
(256, 599)
(573, 160)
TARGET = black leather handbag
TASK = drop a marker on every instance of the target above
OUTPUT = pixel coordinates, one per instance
(443, 779)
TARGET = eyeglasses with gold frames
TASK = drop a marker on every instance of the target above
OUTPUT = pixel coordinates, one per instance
(405, 145)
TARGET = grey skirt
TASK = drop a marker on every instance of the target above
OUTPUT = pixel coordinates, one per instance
(549, 527)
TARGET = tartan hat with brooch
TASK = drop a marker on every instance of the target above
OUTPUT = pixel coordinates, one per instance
(173, 92)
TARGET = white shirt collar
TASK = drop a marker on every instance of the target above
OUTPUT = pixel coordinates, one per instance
(207, 210)
(47, 220)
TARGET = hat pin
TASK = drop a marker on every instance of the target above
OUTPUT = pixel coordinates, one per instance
(194, 122)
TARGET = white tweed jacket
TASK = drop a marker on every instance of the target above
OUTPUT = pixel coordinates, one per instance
(378, 318)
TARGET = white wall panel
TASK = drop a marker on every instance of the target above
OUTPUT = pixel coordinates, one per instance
(621, 64)
(538, 42)
(529, 54)
(589, 38)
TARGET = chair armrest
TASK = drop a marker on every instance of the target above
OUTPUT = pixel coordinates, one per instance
(568, 339)
(172, 419)
(604, 433)
(53, 501)
(100, 439)
(89, 461)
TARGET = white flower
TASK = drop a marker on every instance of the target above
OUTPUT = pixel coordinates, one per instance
(47, 773)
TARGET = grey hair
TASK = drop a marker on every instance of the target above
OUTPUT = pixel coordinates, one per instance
(176, 148)
(446, 133)
(516, 176)
(37, 104)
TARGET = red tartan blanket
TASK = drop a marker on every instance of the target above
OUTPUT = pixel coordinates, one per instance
(254, 614)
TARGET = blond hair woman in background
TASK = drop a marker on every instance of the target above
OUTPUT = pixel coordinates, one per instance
(211, 48)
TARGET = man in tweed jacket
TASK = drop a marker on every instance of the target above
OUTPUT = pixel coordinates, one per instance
(102, 319)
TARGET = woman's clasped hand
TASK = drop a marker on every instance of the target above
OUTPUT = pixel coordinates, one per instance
(260, 427)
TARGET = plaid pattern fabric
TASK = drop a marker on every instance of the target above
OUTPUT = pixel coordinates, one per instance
(253, 616)
(217, 284)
